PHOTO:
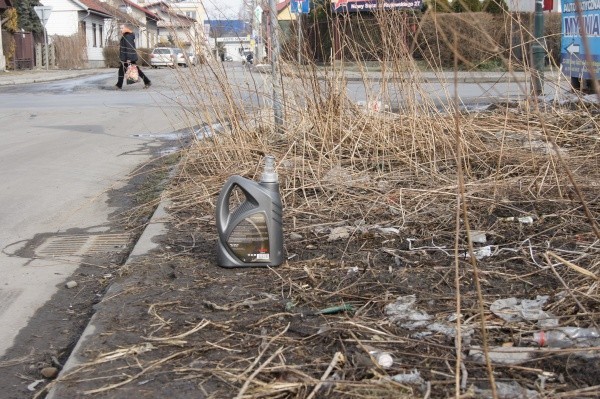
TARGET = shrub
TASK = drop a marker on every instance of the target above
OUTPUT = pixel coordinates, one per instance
(483, 38)
(553, 34)
(111, 56)
(9, 47)
(437, 6)
(479, 37)
(71, 51)
(495, 6)
(144, 56)
(466, 5)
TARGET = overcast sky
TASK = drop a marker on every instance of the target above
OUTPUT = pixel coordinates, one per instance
(218, 9)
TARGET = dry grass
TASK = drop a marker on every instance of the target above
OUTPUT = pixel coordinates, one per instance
(338, 162)
(429, 173)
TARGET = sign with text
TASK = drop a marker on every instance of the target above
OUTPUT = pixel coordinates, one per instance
(300, 6)
(573, 56)
(373, 5)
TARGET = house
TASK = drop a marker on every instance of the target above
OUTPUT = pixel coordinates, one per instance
(144, 22)
(85, 17)
(286, 19)
(231, 38)
(4, 5)
(176, 29)
(195, 9)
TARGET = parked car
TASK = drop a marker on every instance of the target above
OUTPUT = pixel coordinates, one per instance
(192, 58)
(181, 57)
(162, 56)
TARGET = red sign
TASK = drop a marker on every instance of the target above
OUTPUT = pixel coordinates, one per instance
(548, 5)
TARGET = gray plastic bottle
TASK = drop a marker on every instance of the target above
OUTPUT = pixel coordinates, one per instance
(252, 234)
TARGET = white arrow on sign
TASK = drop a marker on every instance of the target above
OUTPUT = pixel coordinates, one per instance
(43, 13)
(573, 48)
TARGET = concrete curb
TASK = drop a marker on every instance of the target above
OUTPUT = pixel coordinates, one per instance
(427, 77)
(6, 78)
(155, 227)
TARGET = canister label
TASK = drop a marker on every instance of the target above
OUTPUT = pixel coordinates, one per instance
(249, 239)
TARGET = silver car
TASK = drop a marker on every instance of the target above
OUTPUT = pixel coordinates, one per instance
(162, 56)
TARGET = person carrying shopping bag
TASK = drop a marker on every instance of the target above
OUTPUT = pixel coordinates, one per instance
(128, 56)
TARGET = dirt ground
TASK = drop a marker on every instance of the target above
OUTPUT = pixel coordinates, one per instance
(186, 328)
(181, 327)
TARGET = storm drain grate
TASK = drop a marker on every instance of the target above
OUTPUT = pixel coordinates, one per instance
(79, 245)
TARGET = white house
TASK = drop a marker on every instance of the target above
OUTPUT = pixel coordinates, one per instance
(87, 17)
(176, 28)
(143, 21)
(195, 9)
(235, 47)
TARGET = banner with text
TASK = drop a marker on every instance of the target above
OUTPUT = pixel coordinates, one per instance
(373, 5)
(574, 27)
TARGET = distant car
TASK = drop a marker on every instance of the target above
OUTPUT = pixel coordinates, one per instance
(192, 58)
(228, 58)
(162, 56)
(182, 58)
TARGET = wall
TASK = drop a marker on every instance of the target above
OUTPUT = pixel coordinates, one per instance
(94, 52)
(63, 19)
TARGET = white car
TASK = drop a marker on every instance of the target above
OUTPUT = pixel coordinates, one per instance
(162, 56)
(181, 58)
(193, 59)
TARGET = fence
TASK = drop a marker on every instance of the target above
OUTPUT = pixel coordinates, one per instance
(40, 56)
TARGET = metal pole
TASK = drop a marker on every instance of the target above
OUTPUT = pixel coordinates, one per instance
(537, 49)
(46, 47)
(299, 38)
(274, 64)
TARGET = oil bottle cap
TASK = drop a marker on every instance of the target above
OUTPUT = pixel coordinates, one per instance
(269, 175)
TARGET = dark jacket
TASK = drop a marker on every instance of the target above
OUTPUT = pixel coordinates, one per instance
(127, 48)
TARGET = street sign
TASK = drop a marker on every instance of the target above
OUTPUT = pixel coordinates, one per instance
(43, 13)
(300, 6)
(258, 12)
(574, 28)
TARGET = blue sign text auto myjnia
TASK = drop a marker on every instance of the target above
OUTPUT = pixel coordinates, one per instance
(575, 29)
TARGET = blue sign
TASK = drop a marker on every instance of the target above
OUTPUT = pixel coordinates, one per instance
(371, 5)
(300, 6)
(573, 56)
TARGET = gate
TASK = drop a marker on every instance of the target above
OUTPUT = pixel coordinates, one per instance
(23, 50)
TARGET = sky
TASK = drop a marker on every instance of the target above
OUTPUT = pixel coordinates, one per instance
(218, 9)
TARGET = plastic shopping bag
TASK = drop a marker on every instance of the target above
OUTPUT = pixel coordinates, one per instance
(132, 74)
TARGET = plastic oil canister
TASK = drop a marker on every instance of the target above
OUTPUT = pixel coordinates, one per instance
(251, 235)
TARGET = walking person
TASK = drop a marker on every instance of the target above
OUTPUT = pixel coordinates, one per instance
(128, 56)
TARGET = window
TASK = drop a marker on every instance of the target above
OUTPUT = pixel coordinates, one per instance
(101, 38)
(190, 14)
(95, 43)
(82, 30)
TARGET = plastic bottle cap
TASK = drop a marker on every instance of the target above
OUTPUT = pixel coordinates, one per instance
(269, 175)
(384, 359)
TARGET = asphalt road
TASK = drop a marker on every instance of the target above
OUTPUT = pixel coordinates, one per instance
(63, 146)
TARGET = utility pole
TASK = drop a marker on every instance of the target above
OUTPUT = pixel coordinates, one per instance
(274, 66)
(299, 16)
(538, 51)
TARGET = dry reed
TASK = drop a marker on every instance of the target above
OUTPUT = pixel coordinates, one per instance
(408, 160)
